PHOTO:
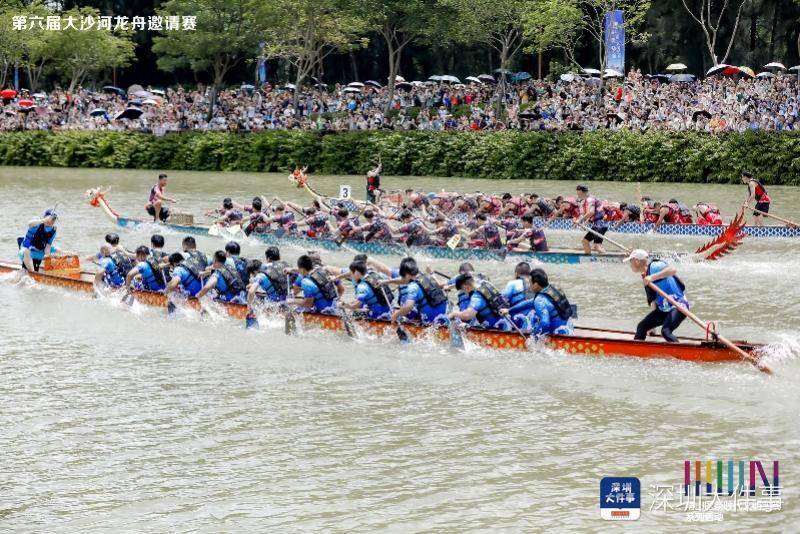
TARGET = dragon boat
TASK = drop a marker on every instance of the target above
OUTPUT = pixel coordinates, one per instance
(98, 199)
(588, 341)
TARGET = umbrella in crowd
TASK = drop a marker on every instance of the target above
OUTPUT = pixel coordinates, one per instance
(115, 90)
(351, 90)
(660, 77)
(473, 79)
(355, 84)
(98, 112)
(289, 86)
(529, 114)
(682, 78)
(25, 103)
(676, 66)
(796, 68)
(244, 87)
(373, 83)
(161, 92)
(775, 65)
(8, 93)
(399, 78)
(142, 94)
(129, 113)
(763, 75)
(405, 86)
(611, 73)
(149, 102)
(722, 68)
(520, 77)
(435, 78)
(568, 77)
(747, 71)
(591, 72)
(487, 78)
(700, 113)
(450, 79)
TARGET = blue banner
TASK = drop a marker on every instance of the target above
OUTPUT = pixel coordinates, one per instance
(615, 41)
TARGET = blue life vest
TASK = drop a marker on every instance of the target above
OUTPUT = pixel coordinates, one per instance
(38, 237)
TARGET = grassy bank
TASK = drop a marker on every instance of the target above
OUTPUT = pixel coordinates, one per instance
(633, 157)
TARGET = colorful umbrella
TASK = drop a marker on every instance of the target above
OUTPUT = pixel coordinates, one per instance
(25, 103)
(747, 71)
(8, 93)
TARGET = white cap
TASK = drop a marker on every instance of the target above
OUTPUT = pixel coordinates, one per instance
(637, 254)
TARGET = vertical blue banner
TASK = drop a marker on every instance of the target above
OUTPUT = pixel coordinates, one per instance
(615, 41)
(16, 77)
(261, 70)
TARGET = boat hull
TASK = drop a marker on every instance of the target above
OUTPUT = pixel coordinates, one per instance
(590, 345)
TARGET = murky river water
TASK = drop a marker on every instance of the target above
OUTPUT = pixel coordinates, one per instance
(120, 420)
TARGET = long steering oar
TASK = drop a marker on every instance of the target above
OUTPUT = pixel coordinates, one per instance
(765, 214)
(598, 234)
(749, 358)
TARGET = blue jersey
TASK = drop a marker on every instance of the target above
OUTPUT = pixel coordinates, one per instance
(486, 316)
(310, 290)
(190, 283)
(37, 238)
(112, 275)
(424, 311)
(266, 285)
(668, 285)
(516, 291)
(547, 320)
(151, 281)
(366, 296)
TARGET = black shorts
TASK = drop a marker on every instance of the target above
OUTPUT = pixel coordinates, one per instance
(761, 206)
(592, 238)
(163, 215)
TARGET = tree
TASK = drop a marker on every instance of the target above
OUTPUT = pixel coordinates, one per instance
(551, 24)
(709, 17)
(80, 53)
(227, 32)
(305, 32)
(401, 22)
(10, 40)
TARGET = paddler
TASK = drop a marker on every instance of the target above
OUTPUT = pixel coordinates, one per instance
(549, 312)
(662, 313)
(225, 280)
(157, 198)
(147, 271)
(185, 274)
(591, 212)
(256, 220)
(229, 214)
(531, 237)
(485, 304)
(38, 240)
(318, 289)
(115, 266)
(756, 191)
(374, 184)
(272, 278)
(420, 297)
(412, 232)
(371, 295)
(486, 234)
(190, 251)
(236, 262)
(707, 214)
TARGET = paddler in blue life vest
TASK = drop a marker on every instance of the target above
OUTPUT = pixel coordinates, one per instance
(38, 240)
(155, 202)
(549, 312)
(485, 304)
(318, 288)
(371, 294)
(185, 274)
(224, 280)
(420, 297)
(662, 313)
(147, 271)
(114, 266)
(236, 262)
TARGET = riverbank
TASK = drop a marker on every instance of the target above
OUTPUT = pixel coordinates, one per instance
(689, 157)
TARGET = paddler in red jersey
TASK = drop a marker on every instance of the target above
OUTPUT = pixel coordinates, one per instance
(154, 205)
(567, 208)
(756, 191)
(591, 212)
(707, 214)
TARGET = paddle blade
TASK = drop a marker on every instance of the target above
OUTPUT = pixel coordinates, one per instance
(726, 242)
(349, 325)
(171, 308)
(456, 339)
(289, 323)
(403, 336)
(454, 241)
(251, 321)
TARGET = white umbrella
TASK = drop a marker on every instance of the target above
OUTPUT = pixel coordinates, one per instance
(39, 95)
(450, 79)
(765, 75)
(351, 90)
(149, 102)
(591, 72)
(796, 68)
(355, 84)
(611, 73)
(677, 66)
(417, 83)
(373, 83)
(568, 77)
(487, 78)
(716, 69)
(775, 65)
(435, 78)
(473, 79)
(290, 86)
(158, 92)
(399, 78)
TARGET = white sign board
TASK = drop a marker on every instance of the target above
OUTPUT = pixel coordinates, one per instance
(345, 192)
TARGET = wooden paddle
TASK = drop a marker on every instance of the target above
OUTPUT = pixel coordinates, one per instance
(598, 234)
(749, 358)
(765, 214)
(454, 329)
(402, 333)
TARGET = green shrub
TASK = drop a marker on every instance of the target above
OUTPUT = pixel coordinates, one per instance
(623, 156)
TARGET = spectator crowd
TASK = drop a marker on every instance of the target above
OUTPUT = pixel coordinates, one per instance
(636, 102)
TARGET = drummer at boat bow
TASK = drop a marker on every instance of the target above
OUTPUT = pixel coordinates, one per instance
(38, 240)
(155, 203)
(662, 313)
